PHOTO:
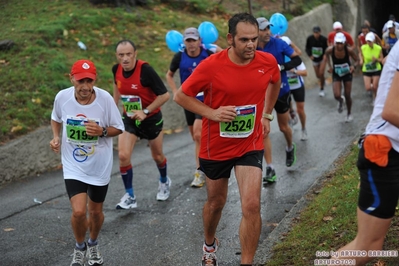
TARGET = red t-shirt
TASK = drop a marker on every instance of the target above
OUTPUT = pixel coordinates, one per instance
(225, 83)
(362, 39)
(349, 39)
(132, 86)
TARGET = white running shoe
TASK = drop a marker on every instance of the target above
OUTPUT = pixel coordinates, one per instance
(341, 104)
(164, 190)
(322, 93)
(127, 202)
(304, 135)
(349, 118)
(199, 179)
(209, 256)
(294, 118)
(94, 257)
(78, 257)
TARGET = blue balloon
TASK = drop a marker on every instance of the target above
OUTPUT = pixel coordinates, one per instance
(174, 40)
(208, 32)
(280, 24)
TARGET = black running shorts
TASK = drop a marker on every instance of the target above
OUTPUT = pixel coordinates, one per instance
(299, 94)
(149, 128)
(345, 78)
(379, 186)
(372, 74)
(283, 104)
(190, 117)
(222, 169)
(96, 193)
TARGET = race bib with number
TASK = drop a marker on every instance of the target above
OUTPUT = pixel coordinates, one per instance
(342, 69)
(242, 126)
(317, 52)
(76, 131)
(293, 79)
(131, 103)
(371, 67)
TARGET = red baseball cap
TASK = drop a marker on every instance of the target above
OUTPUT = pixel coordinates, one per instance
(83, 69)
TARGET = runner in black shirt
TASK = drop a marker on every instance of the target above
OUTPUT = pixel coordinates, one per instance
(316, 45)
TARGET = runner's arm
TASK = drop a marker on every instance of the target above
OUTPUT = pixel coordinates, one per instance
(295, 61)
(171, 82)
(55, 143)
(222, 114)
(116, 95)
(326, 60)
(271, 96)
(390, 112)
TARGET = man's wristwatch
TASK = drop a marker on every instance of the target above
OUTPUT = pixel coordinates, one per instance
(268, 116)
(146, 111)
(282, 67)
(105, 132)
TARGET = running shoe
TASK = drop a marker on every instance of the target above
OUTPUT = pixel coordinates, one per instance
(164, 190)
(94, 257)
(349, 119)
(270, 175)
(341, 104)
(127, 202)
(78, 257)
(199, 179)
(322, 93)
(291, 156)
(209, 257)
(304, 134)
(294, 118)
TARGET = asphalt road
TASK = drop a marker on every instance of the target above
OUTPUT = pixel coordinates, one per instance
(38, 232)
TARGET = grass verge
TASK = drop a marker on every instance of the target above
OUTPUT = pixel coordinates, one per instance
(329, 221)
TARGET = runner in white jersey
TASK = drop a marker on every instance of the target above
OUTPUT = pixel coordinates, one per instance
(88, 118)
(378, 164)
(297, 88)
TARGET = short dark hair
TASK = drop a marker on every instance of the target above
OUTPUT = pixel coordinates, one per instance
(241, 17)
(365, 26)
(124, 42)
(316, 29)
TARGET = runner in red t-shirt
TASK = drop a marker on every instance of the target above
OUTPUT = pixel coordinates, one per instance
(142, 93)
(337, 26)
(240, 86)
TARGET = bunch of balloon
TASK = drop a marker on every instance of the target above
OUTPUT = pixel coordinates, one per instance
(174, 41)
(279, 24)
(208, 33)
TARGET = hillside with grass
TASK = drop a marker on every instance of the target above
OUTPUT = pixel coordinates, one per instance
(45, 34)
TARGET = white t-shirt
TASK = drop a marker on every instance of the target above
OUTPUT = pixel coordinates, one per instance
(376, 124)
(84, 158)
(385, 28)
(294, 80)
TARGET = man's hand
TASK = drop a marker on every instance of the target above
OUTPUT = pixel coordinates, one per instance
(224, 114)
(93, 129)
(55, 144)
(265, 127)
(139, 115)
